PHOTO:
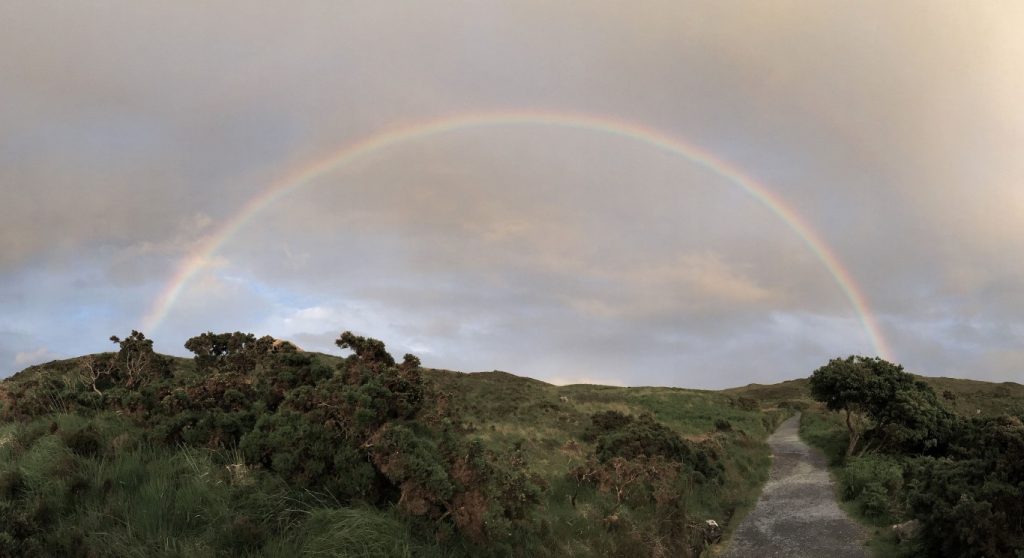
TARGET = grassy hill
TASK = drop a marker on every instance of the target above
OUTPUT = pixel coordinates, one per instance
(249, 449)
(250, 452)
(962, 396)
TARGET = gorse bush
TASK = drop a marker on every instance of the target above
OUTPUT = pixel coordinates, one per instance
(874, 482)
(255, 448)
(647, 469)
(972, 502)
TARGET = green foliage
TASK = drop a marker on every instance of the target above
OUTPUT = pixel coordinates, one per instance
(253, 448)
(298, 449)
(643, 436)
(963, 479)
(12, 484)
(630, 438)
(85, 441)
(605, 422)
(647, 469)
(971, 503)
(747, 403)
(357, 533)
(875, 483)
(230, 352)
(369, 351)
(904, 412)
(135, 363)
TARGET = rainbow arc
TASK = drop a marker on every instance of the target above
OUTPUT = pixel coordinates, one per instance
(195, 261)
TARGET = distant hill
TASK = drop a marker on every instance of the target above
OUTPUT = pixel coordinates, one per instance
(963, 396)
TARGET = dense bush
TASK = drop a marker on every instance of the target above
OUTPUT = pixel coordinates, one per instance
(646, 468)
(230, 352)
(875, 482)
(972, 502)
(962, 478)
(748, 403)
(885, 405)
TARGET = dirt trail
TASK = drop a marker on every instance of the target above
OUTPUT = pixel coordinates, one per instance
(797, 515)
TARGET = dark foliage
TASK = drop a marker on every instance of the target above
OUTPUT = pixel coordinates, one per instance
(747, 403)
(972, 502)
(645, 437)
(367, 350)
(605, 422)
(963, 479)
(230, 352)
(85, 441)
(904, 413)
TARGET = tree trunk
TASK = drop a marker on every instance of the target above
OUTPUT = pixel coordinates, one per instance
(854, 435)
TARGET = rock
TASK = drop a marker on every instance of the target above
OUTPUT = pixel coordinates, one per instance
(712, 531)
(563, 399)
(907, 530)
(239, 474)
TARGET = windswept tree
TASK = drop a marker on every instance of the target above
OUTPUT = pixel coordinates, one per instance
(368, 350)
(229, 352)
(881, 400)
(136, 362)
(840, 384)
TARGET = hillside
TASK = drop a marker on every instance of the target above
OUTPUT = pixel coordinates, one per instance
(253, 448)
(962, 396)
(244, 450)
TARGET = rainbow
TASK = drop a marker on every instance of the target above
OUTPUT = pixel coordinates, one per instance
(192, 263)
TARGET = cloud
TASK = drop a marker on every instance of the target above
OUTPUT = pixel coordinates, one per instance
(42, 354)
(568, 381)
(892, 129)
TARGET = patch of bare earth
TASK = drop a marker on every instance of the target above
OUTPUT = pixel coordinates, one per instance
(797, 515)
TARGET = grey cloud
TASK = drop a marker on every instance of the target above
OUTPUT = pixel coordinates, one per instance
(894, 129)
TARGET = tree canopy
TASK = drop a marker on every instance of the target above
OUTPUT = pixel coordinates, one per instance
(883, 403)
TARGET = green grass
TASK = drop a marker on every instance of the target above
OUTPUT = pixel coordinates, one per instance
(128, 497)
(789, 390)
(504, 410)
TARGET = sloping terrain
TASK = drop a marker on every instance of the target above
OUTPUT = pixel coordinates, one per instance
(253, 448)
(249, 451)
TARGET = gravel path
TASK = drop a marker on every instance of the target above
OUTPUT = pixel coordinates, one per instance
(797, 514)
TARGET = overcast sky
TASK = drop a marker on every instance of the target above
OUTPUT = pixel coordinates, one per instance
(130, 132)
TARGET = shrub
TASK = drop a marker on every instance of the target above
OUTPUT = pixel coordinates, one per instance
(604, 422)
(795, 405)
(85, 441)
(12, 484)
(309, 455)
(859, 472)
(874, 500)
(748, 403)
(971, 503)
(643, 436)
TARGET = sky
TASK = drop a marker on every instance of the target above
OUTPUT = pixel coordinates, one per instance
(270, 167)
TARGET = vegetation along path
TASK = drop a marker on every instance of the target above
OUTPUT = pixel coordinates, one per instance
(797, 514)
